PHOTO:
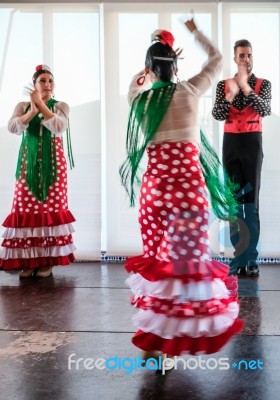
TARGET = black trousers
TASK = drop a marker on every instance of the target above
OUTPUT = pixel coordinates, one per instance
(242, 159)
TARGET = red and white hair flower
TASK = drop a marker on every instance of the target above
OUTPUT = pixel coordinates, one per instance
(163, 37)
(42, 67)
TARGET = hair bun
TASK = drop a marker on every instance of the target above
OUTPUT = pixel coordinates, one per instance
(42, 67)
(162, 36)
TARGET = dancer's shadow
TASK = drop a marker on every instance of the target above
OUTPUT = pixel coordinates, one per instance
(175, 385)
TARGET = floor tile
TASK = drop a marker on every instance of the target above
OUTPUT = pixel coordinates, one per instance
(82, 313)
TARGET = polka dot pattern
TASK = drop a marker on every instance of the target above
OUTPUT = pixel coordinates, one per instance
(261, 103)
(26, 248)
(171, 307)
(173, 204)
(25, 202)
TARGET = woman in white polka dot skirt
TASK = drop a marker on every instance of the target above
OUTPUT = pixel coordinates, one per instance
(39, 229)
(187, 301)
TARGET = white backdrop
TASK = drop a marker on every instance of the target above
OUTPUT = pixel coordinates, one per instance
(67, 39)
(94, 50)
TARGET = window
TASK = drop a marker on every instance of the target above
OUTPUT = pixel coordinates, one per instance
(66, 39)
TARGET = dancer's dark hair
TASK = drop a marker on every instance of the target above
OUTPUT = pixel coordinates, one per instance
(163, 69)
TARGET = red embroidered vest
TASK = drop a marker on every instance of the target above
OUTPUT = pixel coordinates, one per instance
(246, 120)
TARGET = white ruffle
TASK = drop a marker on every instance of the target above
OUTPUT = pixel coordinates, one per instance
(172, 288)
(42, 231)
(170, 327)
(35, 252)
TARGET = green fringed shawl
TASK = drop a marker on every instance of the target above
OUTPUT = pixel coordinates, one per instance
(37, 156)
(146, 114)
(221, 189)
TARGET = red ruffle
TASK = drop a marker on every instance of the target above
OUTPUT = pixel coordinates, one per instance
(24, 220)
(19, 263)
(154, 270)
(186, 344)
(37, 242)
(171, 308)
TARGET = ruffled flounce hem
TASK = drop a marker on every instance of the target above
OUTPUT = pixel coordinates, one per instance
(37, 252)
(13, 264)
(16, 220)
(183, 309)
(192, 309)
(153, 269)
(193, 326)
(173, 288)
(39, 232)
(186, 344)
(37, 242)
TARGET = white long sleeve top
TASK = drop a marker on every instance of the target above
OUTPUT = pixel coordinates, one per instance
(57, 124)
(181, 122)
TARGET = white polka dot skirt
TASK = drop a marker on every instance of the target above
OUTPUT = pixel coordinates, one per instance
(187, 302)
(38, 233)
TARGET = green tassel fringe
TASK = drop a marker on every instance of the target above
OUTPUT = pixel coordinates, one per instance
(221, 189)
(146, 114)
(37, 156)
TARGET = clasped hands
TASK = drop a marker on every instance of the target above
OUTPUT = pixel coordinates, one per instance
(239, 82)
(35, 99)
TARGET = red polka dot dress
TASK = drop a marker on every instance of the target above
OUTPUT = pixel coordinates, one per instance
(39, 233)
(187, 301)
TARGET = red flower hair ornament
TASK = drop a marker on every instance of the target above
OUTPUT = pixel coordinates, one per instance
(163, 37)
(43, 67)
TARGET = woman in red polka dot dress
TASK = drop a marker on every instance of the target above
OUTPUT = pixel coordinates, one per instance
(187, 302)
(39, 229)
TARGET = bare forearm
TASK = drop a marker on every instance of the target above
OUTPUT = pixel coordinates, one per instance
(44, 110)
(27, 117)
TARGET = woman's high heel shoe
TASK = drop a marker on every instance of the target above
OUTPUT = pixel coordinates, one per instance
(26, 273)
(44, 272)
(151, 354)
(146, 355)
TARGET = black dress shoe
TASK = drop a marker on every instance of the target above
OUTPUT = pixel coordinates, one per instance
(241, 271)
(252, 270)
(238, 266)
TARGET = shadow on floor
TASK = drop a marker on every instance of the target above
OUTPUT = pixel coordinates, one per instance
(55, 332)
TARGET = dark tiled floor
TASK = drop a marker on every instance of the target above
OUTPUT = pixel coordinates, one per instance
(84, 311)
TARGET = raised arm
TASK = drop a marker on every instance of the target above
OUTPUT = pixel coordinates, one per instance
(211, 69)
